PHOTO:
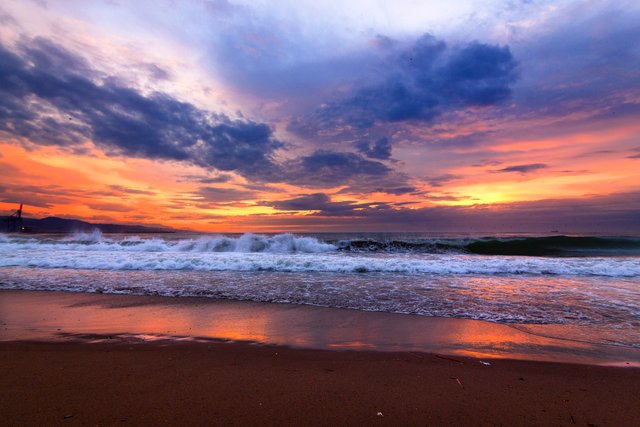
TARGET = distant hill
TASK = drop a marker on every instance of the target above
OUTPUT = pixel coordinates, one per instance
(54, 224)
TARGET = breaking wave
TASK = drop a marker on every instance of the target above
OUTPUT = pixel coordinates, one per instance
(520, 246)
(551, 246)
(96, 241)
(563, 279)
(336, 262)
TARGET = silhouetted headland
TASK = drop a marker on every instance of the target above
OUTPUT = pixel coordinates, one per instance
(54, 224)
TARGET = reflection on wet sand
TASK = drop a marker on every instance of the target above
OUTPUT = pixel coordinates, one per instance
(28, 315)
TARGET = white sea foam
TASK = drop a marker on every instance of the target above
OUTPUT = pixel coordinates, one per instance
(95, 241)
(153, 256)
(612, 305)
(597, 291)
(282, 252)
(94, 237)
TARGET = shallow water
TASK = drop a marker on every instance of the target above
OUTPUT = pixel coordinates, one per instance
(594, 298)
(102, 318)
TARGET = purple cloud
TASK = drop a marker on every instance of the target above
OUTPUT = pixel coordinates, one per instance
(531, 167)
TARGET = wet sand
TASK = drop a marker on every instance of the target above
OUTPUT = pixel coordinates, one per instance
(81, 359)
(66, 316)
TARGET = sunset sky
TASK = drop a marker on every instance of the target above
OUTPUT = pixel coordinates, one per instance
(224, 115)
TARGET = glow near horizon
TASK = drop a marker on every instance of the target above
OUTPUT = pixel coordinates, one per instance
(115, 37)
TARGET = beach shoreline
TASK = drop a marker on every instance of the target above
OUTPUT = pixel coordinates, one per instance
(75, 316)
(197, 383)
(99, 359)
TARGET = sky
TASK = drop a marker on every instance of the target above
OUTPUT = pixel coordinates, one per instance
(233, 116)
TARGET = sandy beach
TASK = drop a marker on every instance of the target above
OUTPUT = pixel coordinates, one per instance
(241, 384)
(249, 363)
(334, 213)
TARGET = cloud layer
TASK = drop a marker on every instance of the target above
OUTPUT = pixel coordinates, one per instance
(419, 83)
(50, 96)
(287, 113)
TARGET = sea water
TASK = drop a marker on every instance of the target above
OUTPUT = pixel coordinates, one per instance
(570, 287)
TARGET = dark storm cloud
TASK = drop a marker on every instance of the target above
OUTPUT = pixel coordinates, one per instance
(215, 179)
(390, 182)
(52, 97)
(397, 191)
(330, 168)
(531, 167)
(343, 164)
(564, 67)
(419, 83)
(381, 149)
(322, 203)
(302, 203)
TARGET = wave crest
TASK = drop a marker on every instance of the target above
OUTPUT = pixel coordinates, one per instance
(247, 243)
(547, 246)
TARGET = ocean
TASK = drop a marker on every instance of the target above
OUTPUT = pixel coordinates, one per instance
(584, 288)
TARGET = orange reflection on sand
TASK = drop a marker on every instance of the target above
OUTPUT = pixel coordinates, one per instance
(352, 345)
(50, 315)
(197, 322)
(508, 342)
